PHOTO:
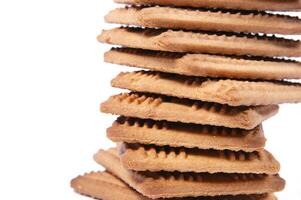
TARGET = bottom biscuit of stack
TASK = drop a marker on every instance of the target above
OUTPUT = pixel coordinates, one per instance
(104, 185)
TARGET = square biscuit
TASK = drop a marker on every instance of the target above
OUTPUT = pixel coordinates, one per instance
(158, 107)
(155, 159)
(222, 91)
(201, 42)
(205, 65)
(103, 185)
(275, 5)
(163, 133)
(206, 20)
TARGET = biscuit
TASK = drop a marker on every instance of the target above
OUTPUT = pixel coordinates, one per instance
(158, 107)
(103, 185)
(223, 91)
(205, 65)
(153, 158)
(175, 184)
(275, 5)
(161, 133)
(208, 20)
(201, 42)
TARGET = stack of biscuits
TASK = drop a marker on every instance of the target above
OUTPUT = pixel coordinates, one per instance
(190, 127)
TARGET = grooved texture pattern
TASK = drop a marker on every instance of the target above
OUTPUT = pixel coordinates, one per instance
(173, 109)
(161, 133)
(103, 185)
(168, 185)
(153, 158)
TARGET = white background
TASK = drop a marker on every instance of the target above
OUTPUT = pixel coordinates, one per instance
(52, 80)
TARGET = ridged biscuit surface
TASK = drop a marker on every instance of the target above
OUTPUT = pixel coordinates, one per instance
(168, 185)
(161, 133)
(147, 106)
(208, 20)
(205, 65)
(201, 42)
(103, 185)
(223, 91)
(153, 158)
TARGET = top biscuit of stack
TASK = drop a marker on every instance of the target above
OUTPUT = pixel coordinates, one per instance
(275, 5)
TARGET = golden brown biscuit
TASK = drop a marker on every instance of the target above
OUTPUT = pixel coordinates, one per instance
(153, 158)
(201, 42)
(161, 133)
(147, 106)
(277, 5)
(103, 185)
(205, 65)
(208, 20)
(223, 91)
